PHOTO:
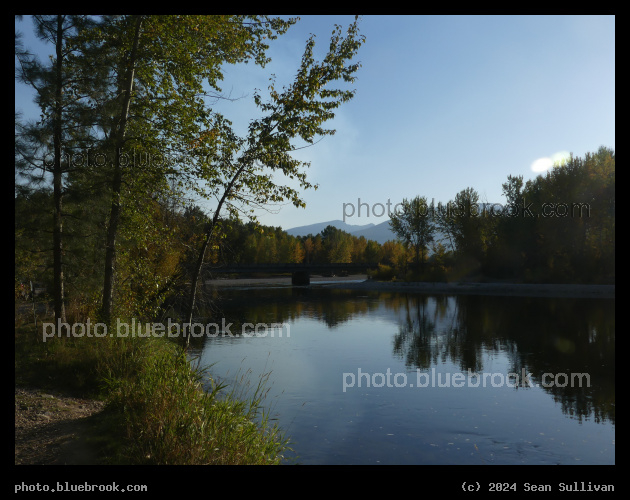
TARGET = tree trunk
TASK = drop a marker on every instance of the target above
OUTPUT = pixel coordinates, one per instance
(202, 253)
(190, 307)
(58, 292)
(114, 218)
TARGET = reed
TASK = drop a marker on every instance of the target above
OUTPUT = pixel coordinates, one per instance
(158, 411)
(170, 419)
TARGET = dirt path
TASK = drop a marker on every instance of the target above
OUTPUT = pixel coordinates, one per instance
(50, 429)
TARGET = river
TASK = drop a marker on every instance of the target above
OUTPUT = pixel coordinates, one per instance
(367, 377)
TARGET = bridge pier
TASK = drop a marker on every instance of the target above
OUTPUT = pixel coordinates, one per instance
(301, 278)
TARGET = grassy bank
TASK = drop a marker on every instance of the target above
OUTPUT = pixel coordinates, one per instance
(157, 411)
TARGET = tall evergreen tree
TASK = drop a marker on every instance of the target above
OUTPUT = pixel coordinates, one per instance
(49, 145)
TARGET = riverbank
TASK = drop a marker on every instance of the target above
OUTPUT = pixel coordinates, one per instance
(130, 400)
(503, 289)
(360, 282)
(284, 281)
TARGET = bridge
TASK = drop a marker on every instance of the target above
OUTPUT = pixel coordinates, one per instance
(301, 273)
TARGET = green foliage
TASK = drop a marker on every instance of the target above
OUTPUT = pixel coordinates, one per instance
(144, 123)
(242, 172)
(371, 253)
(32, 242)
(467, 224)
(158, 411)
(337, 245)
(414, 225)
(169, 418)
(573, 238)
(383, 273)
(556, 228)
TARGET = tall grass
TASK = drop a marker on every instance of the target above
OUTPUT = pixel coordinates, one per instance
(170, 419)
(157, 409)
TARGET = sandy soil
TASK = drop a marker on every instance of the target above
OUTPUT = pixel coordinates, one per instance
(50, 428)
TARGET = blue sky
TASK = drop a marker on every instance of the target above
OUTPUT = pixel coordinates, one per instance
(442, 103)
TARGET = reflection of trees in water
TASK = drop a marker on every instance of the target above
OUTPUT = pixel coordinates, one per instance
(439, 329)
(284, 305)
(569, 336)
(537, 335)
(561, 336)
(415, 334)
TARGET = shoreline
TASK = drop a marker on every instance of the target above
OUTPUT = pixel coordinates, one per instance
(505, 289)
(359, 282)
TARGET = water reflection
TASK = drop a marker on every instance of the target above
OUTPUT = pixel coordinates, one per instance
(573, 339)
(536, 335)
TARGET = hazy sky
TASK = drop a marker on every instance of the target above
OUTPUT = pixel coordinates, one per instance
(442, 103)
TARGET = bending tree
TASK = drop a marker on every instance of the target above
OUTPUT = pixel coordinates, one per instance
(241, 177)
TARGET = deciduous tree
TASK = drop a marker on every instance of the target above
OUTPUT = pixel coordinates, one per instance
(242, 174)
(414, 225)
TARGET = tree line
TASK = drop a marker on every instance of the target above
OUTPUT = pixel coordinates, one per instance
(248, 243)
(556, 228)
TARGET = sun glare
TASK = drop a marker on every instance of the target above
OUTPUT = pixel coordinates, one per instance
(560, 157)
(544, 164)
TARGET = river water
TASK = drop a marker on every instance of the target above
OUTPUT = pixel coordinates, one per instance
(356, 377)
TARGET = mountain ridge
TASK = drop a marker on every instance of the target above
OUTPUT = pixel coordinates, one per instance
(380, 233)
(377, 232)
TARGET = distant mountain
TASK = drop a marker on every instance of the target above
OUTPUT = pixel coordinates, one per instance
(320, 226)
(377, 232)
